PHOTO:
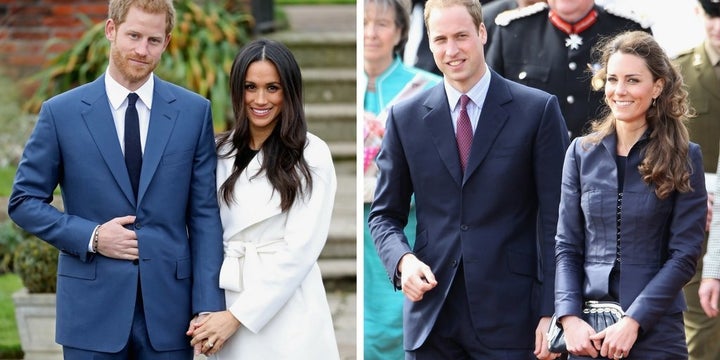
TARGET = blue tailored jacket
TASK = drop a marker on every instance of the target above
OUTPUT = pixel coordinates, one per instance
(660, 240)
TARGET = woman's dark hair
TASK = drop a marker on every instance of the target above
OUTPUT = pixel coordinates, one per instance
(283, 160)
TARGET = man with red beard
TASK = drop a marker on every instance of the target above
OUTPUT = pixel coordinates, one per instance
(139, 234)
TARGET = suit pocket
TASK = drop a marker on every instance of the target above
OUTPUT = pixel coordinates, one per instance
(184, 268)
(71, 266)
(522, 264)
(177, 158)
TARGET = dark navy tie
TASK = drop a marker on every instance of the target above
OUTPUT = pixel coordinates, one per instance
(133, 149)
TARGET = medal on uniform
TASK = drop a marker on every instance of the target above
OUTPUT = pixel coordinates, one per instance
(574, 40)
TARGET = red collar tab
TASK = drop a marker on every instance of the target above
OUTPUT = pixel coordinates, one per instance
(575, 28)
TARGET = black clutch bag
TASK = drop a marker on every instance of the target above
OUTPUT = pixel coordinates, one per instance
(599, 314)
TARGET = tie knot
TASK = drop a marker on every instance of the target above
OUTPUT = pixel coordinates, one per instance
(464, 100)
(132, 98)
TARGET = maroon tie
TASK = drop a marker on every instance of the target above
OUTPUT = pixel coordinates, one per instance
(464, 134)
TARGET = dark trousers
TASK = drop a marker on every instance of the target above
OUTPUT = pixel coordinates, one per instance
(138, 346)
(454, 337)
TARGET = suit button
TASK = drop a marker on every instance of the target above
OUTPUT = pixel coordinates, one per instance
(572, 66)
(137, 226)
(453, 263)
(136, 261)
(570, 99)
(464, 227)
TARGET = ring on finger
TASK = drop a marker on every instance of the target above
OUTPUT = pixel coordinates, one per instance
(209, 344)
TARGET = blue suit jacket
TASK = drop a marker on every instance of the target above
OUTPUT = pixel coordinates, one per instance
(499, 218)
(660, 240)
(75, 145)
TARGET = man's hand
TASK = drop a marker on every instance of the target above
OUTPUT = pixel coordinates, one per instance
(416, 278)
(194, 324)
(709, 294)
(117, 242)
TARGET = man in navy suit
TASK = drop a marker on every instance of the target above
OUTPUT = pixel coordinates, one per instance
(479, 280)
(140, 251)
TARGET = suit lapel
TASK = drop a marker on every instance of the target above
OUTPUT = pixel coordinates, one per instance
(99, 121)
(162, 121)
(492, 119)
(439, 124)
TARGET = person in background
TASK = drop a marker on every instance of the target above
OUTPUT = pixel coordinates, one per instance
(388, 81)
(700, 67)
(276, 184)
(548, 46)
(482, 157)
(493, 9)
(633, 209)
(135, 161)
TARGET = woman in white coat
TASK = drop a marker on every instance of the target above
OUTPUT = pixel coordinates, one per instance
(276, 185)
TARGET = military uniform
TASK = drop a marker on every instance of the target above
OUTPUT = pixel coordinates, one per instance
(704, 93)
(528, 48)
(491, 11)
(701, 74)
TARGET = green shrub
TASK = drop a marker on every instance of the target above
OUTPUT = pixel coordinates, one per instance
(204, 43)
(10, 236)
(35, 262)
(15, 125)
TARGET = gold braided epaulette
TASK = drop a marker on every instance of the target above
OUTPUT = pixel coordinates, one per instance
(507, 16)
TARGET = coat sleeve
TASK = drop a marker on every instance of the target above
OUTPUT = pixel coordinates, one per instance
(391, 205)
(711, 261)
(204, 226)
(550, 146)
(687, 232)
(37, 176)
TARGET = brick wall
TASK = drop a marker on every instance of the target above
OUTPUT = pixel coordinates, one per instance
(27, 25)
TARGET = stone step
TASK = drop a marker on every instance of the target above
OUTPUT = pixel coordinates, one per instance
(320, 49)
(342, 152)
(329, 85)
(338, 268)
(332, 122)
(341, 241)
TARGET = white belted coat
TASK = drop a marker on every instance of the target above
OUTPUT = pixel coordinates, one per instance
(270, 274)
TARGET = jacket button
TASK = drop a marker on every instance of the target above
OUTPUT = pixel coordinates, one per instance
(137, 225)
(453, 263)
(464, 227)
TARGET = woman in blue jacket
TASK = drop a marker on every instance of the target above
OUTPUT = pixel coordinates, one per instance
(632, 209)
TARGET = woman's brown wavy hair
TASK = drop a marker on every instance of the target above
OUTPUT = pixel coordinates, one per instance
(666, 162)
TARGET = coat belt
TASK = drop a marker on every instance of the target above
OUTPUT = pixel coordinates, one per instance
(235, 276)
